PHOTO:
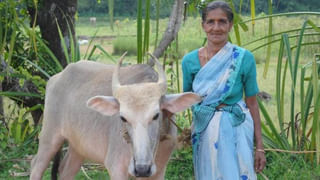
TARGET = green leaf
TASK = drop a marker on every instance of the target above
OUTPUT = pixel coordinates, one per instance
(253, 13)
(291, 36)
(12, 42)
(313, 25)
(306, 99)
(292, 102)
(90, 42)
(236, 23)
(240, 5)
(139, 32)
(146, 29)
(3, 144)
(13, 94)
(282, 14)
(21, 82)
(63, 43)
(110, 8)
(277, 34)
(157, 23)
(3, 42)
(278, 139)
(103, 51)
(72, 45)
(269, 39)
(316, 95)
(39, 68)
(279, 94)
(50, 53)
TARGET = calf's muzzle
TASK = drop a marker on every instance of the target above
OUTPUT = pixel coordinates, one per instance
(142, 170)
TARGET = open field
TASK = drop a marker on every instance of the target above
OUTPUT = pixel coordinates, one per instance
(191, 35)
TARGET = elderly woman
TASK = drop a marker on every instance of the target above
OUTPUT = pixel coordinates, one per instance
(224, 125)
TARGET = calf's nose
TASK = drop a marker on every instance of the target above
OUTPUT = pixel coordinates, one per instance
(142, 170)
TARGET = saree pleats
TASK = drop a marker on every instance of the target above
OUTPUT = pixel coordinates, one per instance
(226, 151)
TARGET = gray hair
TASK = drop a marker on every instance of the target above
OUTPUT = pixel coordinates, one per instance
(216, 5)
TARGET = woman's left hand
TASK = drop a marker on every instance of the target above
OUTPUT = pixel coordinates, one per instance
(259, 161)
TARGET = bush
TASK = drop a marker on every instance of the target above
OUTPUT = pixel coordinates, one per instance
(123, 44)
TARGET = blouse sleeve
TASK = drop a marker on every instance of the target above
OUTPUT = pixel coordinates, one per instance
(250, 77)
(187, 76)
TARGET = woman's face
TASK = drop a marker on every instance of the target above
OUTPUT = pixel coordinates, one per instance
(217, 27)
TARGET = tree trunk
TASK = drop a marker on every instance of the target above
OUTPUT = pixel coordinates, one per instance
(172, 30)
(61, 12)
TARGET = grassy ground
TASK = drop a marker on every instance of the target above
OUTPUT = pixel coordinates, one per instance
(280, 166)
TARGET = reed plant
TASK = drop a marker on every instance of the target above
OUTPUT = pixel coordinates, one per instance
(295, 133)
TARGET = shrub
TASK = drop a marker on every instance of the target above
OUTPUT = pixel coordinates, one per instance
(123, 44)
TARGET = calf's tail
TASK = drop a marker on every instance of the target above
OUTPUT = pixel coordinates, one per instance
(55, 166)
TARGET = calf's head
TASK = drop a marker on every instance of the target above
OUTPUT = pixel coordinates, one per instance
(140, 107)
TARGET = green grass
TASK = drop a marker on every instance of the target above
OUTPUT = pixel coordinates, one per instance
(191, 35)
(279, 166)
(289, 167)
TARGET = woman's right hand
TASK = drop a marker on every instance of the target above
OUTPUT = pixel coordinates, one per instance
(259, 160)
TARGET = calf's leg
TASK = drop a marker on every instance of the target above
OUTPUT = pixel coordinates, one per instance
(48, 147)
(70, 164)
(118, 170)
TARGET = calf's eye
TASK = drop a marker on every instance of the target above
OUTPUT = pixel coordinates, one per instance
(155, 117)
(123, 119)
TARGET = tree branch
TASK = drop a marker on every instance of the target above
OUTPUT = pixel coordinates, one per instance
(172, 30)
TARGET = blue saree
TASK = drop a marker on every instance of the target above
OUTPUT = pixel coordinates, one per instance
(222, 139)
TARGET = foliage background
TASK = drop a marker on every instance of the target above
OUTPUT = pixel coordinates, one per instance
(128, 8)
(122, 8)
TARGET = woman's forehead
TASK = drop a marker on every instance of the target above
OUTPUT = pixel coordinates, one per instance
(217, 14)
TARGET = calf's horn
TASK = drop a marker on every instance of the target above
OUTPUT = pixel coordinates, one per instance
(115, 76)
(162, 80)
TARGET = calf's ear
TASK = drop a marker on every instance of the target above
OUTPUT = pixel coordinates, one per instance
(106, 105)
(179, 102)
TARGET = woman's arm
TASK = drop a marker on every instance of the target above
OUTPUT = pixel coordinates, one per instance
(187, 77)
(260, 160)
